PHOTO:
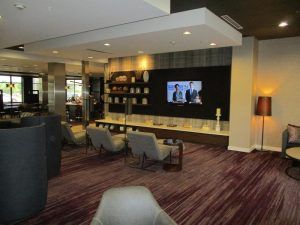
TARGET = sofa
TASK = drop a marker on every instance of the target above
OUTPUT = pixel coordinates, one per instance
(23, 172)
(53, 140)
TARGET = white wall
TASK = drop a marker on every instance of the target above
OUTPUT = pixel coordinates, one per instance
(279, 77)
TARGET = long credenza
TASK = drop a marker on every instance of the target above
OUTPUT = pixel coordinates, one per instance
(190, 134)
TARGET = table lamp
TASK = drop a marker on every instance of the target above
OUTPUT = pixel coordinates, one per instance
(263, 108)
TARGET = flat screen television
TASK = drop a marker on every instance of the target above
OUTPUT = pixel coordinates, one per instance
(184, 92)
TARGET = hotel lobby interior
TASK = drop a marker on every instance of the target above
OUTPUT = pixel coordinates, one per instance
(150, 112)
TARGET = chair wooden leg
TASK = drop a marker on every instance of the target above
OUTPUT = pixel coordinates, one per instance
(100, 150)
(143, 161)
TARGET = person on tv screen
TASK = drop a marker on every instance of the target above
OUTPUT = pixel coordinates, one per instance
(177, 94)
(191, 94)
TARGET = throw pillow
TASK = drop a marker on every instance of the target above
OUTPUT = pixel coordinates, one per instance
(294, 133)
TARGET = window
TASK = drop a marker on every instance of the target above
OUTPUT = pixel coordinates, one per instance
(37, 84)
(17, 90)
(74, 88)
(12, 87)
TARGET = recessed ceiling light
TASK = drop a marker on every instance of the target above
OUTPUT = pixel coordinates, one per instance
(21, 47)
(283, 24)
(107, 44)
(187, 33)
(140, 52)
(90, 57)
(55, 52)
(20, 6)
(172, 42)
(212, 44)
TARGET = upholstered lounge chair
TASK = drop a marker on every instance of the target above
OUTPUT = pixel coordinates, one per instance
(102, 139)
(146, 146)
(133, 205)
(72, 138)
(286, 144)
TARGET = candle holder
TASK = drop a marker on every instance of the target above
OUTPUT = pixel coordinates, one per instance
(218, 126)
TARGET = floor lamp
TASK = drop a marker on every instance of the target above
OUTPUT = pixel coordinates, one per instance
(263, 108)
(128, 111)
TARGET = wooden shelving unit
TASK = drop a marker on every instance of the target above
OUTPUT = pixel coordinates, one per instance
(123, 89)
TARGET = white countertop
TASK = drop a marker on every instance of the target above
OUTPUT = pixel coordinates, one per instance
(165, 127)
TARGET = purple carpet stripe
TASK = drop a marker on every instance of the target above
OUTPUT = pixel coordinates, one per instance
(215, 187)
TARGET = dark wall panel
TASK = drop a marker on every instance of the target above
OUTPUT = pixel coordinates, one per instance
(215, 92)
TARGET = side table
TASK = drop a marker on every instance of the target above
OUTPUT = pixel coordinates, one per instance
(294, 154)
(172, 167)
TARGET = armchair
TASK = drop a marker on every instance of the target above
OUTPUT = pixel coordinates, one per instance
(101, 138)
(72, 138)
(147, 146)
(133, 205)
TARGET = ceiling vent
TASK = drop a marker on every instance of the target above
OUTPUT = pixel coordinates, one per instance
(95, 50)
(232, 22)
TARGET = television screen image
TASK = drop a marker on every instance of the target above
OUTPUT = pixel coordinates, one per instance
(188, 92)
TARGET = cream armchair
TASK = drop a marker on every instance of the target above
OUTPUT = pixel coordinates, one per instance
(101, 139)
(133, 205)
(147, 146)
(72, 138)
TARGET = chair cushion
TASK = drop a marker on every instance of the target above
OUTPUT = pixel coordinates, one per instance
(119, 135)
(164, 151)
(294, 134)
(80, 137)
(118, 142)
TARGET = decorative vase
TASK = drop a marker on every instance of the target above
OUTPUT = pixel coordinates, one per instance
(146, 76)
(145, 101)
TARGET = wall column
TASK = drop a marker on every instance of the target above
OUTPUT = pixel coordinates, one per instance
(85, 92)
(45, 89)
(56, 88)
(242, 96)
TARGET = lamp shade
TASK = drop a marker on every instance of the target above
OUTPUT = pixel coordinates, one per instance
(264, 106)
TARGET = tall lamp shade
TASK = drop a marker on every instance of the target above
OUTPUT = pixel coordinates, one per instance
(263, 108)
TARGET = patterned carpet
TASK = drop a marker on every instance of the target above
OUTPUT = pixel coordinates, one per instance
(215, 187)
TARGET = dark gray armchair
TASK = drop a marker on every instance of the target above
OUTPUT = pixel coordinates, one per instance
(23, 172)
(286, 144)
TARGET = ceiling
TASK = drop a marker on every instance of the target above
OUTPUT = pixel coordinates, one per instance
(156, 35)
(259, 18)
(47, 19)
(20, 62)
(74, 26)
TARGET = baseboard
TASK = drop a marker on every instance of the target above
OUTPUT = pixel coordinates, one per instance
(240, 149)
(269, 148)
